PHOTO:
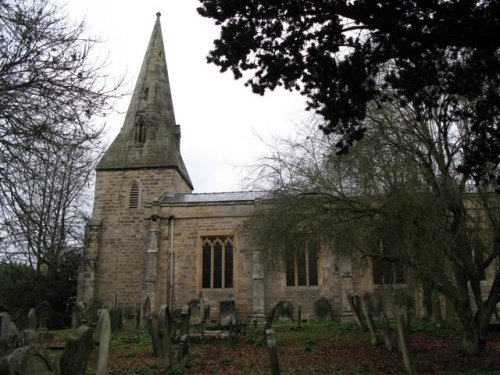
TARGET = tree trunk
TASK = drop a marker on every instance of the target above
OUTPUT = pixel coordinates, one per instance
(472, 341)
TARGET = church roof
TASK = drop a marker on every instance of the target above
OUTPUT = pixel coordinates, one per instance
(217, 198)
(149, 137)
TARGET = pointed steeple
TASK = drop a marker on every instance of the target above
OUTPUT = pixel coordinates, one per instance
(149, 137)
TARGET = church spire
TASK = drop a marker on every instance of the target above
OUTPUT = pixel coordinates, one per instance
(149, 137)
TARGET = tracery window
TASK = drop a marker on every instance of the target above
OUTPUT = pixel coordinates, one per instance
(217, 262)
(302, 266)
(133, 201)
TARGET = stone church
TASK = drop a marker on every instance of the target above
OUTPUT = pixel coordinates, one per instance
(150, 235)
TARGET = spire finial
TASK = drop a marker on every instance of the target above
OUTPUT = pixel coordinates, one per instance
(158, 14)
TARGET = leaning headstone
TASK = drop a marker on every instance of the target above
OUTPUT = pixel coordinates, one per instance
(354, 304)
(104, 337)
(369, 323)
(386, 331)
(273, 355)
(183, 353)
(32, 320)
(165, 335)
(27, 360)
(76, 352)
(403, 339)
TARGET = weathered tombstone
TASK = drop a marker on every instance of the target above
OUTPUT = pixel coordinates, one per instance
(165, 335)
(353, 300)
(195, 312)
(13, 336)
(104, 337)
(183, 353)
(369, 323)
(285, 311)
(386, 331)
(299, 318)
(403, 339)
(273, 355)
(76, 352)
(202, 314)
(227, 313)
(4, 324)
(32, 320)
(27, 360)
(323, 308)
(116, 319)
(185, 319)
(152, 324)
(29, 336)
(43, 314)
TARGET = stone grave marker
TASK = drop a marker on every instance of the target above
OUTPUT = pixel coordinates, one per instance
(285, 311)
(273, 355)
(27, 360)
(183, 353)
(4, 324)
(185, 319)
(354, 304)
(116, 318)
(227, 313)
(369, 323)
(404, 342)
(195, 312)
(152, 325)
(165, 334)
(386, 331)
(32, 320)
(76, 353)
(104, 337)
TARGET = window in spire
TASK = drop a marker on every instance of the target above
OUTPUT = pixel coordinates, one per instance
(140, 131)
(133, 201)
(145, 94)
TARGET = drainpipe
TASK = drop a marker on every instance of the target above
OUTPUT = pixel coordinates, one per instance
(170, 303)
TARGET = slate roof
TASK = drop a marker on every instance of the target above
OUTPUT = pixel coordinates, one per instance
(215, 198)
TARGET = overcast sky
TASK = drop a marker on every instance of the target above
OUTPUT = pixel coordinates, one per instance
(219, 117)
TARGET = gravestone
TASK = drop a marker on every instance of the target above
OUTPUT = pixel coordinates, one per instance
(165, 335)
(403, 338)
(32, 320)
(273, 355)
(354, 304)
(116, 318)
(227, 313)
(183, 353)
(152, 325)
(285, 311)
(386, 331)
(76, 352)
(185, 319)
(369, 323)
(4, 324)
(104, 336)
(27, 360)
(195, 312)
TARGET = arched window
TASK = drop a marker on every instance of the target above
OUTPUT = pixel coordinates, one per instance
(133, 201)
(140, 131)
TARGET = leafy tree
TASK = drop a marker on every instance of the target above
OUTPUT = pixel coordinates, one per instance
(342, 55)
(397, 196)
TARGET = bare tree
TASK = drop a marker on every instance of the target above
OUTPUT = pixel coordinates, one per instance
(399, 196)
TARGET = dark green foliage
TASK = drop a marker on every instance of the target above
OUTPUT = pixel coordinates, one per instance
(22, 289)
(343, 54)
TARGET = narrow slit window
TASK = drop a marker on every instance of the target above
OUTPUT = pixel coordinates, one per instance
(140, 131)
(134, 196)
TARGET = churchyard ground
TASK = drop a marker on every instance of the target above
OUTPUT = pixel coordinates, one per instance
(315, 348)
